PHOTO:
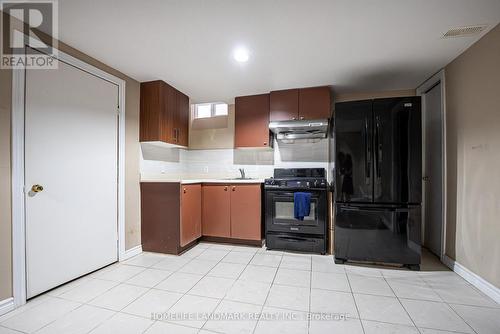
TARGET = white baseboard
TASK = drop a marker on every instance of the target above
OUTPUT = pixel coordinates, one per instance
(449, 262)
(6, 305)
(484, 286)
(131, 252)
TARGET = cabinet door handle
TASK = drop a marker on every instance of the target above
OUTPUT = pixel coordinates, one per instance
(265, 143)
(225, 188)
(175, 136)
(185, 190)
(234, 188)
(301, 117)
(294, 118)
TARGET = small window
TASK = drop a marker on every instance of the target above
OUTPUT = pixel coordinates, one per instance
(205, 110)
(220, 109)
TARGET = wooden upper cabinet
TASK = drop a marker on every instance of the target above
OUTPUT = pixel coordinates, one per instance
(183, 125)
(164, 114)
(246, 211)
(252, 121)
(284, 105)
(315, 103)
(151, 111)
(216, 210)
(170, 115)
(190, 229)
(300, 104)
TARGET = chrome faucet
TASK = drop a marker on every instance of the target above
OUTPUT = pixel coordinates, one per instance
(242, 172)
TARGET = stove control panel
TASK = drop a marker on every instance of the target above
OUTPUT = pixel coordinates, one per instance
(304, 183)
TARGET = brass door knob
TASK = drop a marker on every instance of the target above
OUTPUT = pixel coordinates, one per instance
(36, 188)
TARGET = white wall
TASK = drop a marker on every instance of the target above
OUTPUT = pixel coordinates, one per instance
(473, 158)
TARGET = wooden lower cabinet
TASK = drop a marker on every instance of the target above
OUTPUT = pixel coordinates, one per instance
(190, 213)
(175, 215)
(216, 221)
(170, 216)
(246, 212)
(232, 211)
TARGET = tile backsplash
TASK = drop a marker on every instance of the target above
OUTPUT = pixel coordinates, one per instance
(224, 163)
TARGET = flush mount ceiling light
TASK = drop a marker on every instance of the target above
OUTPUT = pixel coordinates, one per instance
(241, 54)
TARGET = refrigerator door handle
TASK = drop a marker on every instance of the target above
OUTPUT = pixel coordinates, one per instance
(367, 153)
(378, 147)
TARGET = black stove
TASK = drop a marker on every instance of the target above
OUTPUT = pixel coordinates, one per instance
(283, 230)
(297, 178)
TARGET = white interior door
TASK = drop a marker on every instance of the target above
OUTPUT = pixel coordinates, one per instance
(433, 169)
(71, 148)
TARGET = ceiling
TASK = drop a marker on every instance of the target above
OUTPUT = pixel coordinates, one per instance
(353, 45)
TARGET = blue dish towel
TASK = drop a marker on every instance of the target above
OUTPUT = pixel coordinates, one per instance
(301, 205)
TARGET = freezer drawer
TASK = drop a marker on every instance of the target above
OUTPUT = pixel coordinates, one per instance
(378, 234)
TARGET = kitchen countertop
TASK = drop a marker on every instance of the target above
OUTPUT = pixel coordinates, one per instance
(192, 181)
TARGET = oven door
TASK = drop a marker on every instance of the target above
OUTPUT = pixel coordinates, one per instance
(280, 217)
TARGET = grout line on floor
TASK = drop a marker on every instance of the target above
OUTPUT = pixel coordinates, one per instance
(237, 278)
(355, 304)
(453, 310)
(267, 296)
(310, 295)
(400, 303)
(347, 273)
(145, 292)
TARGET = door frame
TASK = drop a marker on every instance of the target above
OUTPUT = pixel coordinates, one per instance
(18, 169)
(437, 78)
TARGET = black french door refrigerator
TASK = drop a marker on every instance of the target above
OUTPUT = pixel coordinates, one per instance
(378, 190)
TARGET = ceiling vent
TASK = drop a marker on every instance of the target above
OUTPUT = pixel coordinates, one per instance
(465, 31)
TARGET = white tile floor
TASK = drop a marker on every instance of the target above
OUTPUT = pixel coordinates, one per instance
(294, 293)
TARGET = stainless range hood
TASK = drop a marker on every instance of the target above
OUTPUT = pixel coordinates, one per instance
(290, 130)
